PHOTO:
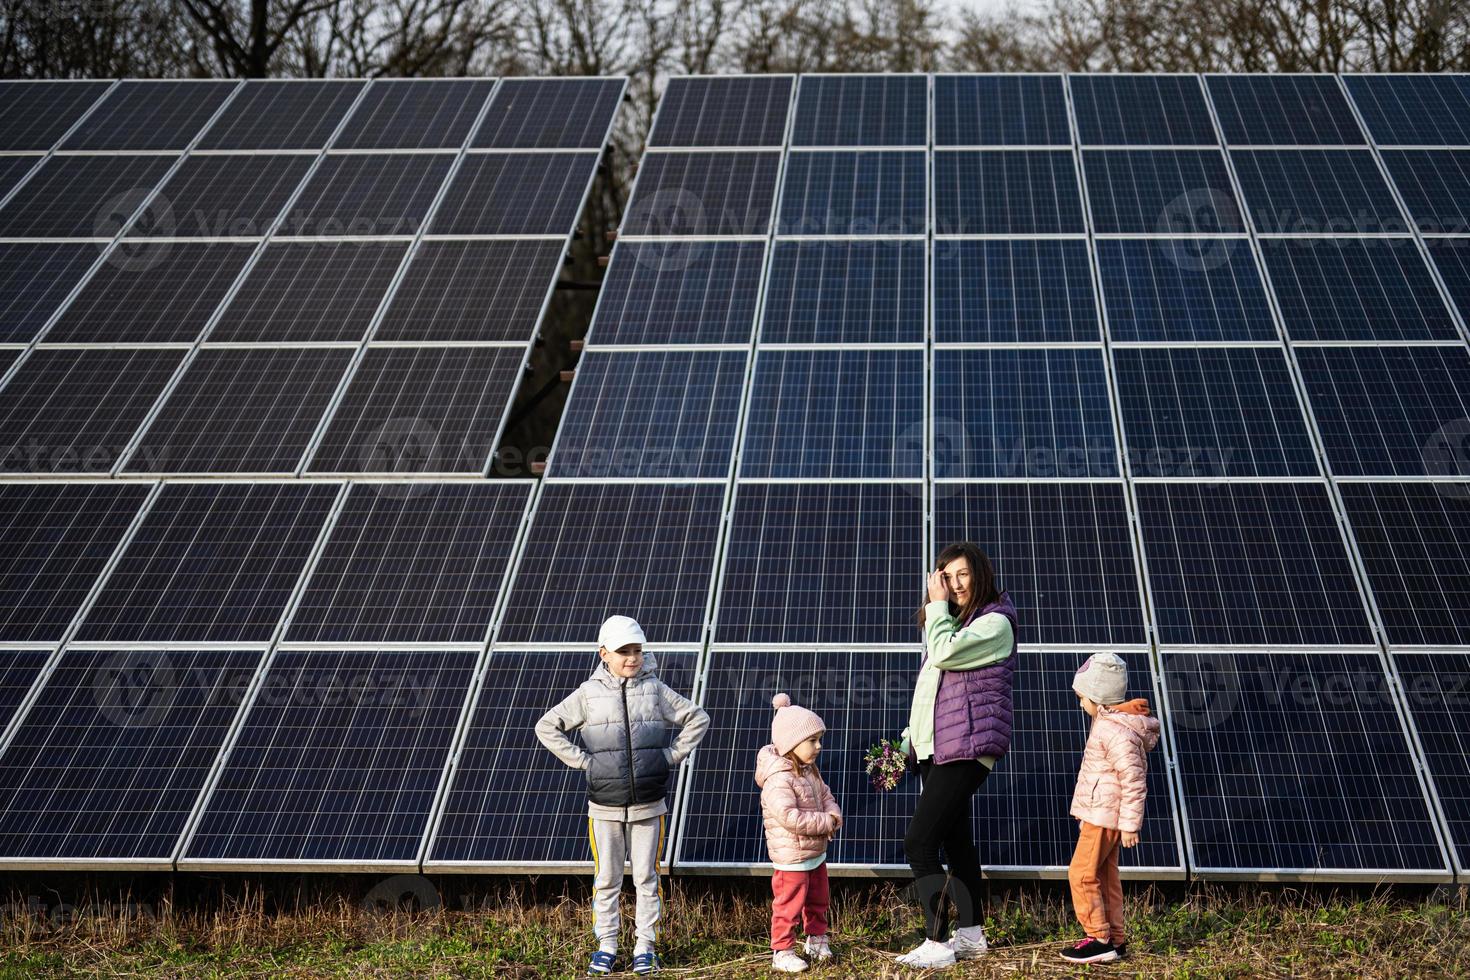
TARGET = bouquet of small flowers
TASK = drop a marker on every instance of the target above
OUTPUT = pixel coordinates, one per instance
(885, 764)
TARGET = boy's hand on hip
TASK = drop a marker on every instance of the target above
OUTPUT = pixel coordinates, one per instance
(1130, 838)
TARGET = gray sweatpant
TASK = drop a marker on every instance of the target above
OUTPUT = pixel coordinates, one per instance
(614, 842)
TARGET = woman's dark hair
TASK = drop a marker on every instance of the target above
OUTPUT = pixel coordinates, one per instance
(983, 590)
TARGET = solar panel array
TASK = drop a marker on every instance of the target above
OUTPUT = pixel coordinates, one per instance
(1186, 355)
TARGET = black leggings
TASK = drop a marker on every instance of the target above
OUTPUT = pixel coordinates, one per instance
(942, 819)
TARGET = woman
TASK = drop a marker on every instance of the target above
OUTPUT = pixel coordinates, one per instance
(959, 725)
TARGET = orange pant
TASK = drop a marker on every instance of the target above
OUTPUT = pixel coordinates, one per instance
(1097, 891)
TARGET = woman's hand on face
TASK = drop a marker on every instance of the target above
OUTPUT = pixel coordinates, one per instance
(938, 588)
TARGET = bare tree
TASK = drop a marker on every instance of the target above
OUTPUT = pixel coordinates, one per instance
(246, 35)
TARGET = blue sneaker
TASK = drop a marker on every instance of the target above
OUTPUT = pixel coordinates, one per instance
(645, 963)
(602, 963)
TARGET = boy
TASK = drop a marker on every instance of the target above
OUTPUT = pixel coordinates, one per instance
(623, 712)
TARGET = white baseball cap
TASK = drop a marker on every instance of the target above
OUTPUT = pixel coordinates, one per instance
(619, 631)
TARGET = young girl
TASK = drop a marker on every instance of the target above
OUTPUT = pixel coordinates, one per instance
(800, 816)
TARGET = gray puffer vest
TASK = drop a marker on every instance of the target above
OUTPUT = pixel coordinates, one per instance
(626, 737)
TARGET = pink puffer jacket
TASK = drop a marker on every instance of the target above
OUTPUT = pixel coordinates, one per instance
(1112, 783)
(795, 807)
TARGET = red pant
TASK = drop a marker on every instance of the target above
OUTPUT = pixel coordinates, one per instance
(798, 896)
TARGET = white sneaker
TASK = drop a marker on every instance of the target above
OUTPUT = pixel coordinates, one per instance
(818, 949)
(930, 956)
(786, 961)
(968, 949)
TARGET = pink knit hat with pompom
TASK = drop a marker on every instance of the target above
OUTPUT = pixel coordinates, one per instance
(793, 724)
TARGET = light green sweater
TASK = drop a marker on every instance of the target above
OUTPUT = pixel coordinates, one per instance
(986, 640)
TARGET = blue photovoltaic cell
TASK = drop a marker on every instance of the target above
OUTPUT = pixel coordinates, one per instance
(55, 540)
(678, 293)
(217, 196)
(550, 113)
(18, 671)
(150, 115)
(854, 193)
(845, 292)
(34, 114)
(1437, 687)
(862, 110)
(1064, 551)
(1296, 762)
(276, 114)
(1019, 414)
(1141, 109)
(414, 113)
(725, 111)
(1211, 412)
(515, 194)
(822, 563)
(1435, 185)
(1243, 563)
(1452, 259)
(1194, 289)
(1413, 110)
(367, 194)
(1355, 289)
(81, 196)
(1006, 192)
(1283, 110)
(667, 414)
(35, 279)
(836, 413)
(1381, 409)
(13, 170)
(509, 799)
(111, 758)
(1166, 192)
(472, 291)
(1013, 292)
(1316, 191)
(338, 758)
(593, 550)
(1000, 110)
(1415, 543)
(412, 563)
(211, 563)
(702, 194)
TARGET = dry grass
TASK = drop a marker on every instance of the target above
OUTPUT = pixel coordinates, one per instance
(718, 929)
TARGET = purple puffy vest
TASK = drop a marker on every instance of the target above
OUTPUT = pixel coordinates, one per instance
(972, 713)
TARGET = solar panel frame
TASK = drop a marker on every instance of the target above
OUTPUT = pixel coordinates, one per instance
(151, 114)
(838, 110)
(223, 195)
(1014, 291)
(1283, 110)
(1167, 110)
(13, 170)
(1008, 96)
(653, 288)
(515, 194)
(311, 110)
(698, 194)
(35, 281)
(697, 126)
(860, 292)
(544, 120)
(367, 194)
(388, 117)
(1451, 259)
(19, 670)
(82, 196)
(1213, 291)
(1434, 688)
(1305, 191)
(1434, 185)
(37, 114)
(1425, 109)
(965, 178)
(1174, 192)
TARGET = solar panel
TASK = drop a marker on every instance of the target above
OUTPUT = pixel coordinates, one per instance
(81, 197)
(509, 800)
(668, 414)
(74, 411)
(862, 110)
(276, 114)
(1415, 542)
(160, 293)
(421, 410)
(55, 539)
(13, 169)
(1000, 110)
(34, 114)
(1293, 762)
(471, 291)
(18, 671)
(1380, 408)
(516, 194)
(1141, 109)
(1435, 185)
(822, 563)
(1316, 191)
(1178, 192)
(414, 114)
(1242, 563)
(109, 761)
(210, 563)
(34, 281)
(845, 293)
(1006, 192)
(678, 293)
(1183, 290)
(633, 549)
(836, 414)
(150, 115)
(412, 563)
(550, 113)
(1436, 686)
(1413, 110)
(1013, 292)
(338, 759)
(217, 196)
(702, 194)
(1283, 110)
(241, 410)
(1452, 258)
(367, 194)
(728, 111)
(1025, 413)
(1211, 412)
